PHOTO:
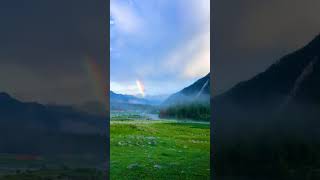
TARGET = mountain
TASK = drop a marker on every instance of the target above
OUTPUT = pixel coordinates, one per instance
(129, 99)
(199, 91)
(27, 126)
(293, 79)
(271, 121)
(285, 98)
(129, 102)
(47, 117)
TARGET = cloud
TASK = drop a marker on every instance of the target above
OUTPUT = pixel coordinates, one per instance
(164, 43)
(193, 55)
(124, 88)
(199, 63)
(124, 17)
(199, 12)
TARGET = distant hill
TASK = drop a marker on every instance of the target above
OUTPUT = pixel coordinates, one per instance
(27, 126)
(129, 102)
(129, 99)
(47, 117)
(199, 91)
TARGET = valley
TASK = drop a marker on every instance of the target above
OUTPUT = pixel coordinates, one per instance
(166, 140)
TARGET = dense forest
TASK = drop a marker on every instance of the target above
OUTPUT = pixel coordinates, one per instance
(194, 111)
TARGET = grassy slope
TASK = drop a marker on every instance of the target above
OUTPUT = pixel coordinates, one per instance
(159, 150)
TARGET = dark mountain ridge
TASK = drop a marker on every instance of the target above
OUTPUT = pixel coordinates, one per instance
(270, 90)
(199, 91)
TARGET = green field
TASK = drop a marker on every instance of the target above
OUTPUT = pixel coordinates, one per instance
(146, 149)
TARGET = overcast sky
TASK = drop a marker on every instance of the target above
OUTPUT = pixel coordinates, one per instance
(250, 35)
(49, 50)
(164, 44)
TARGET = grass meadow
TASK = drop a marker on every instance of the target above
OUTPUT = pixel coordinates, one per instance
(159, 149)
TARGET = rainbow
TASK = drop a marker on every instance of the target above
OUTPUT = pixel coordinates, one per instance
(94, 72)
(140, 87)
